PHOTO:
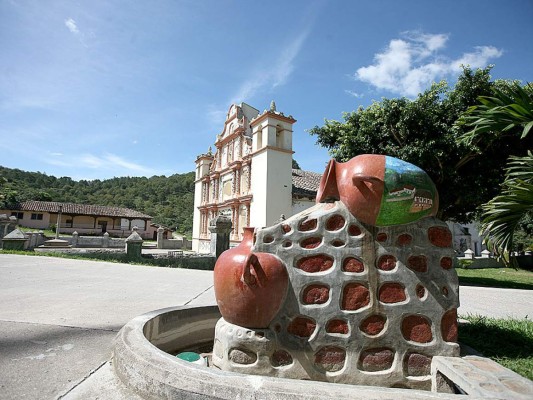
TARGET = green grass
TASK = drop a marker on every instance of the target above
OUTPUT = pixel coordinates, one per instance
(506, 341)
(496, 277)
(46, 232)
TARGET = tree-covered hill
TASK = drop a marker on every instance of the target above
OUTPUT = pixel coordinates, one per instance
(169, 200)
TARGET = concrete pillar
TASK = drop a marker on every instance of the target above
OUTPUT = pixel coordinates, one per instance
(4, 221)
(105, 241)
(220, 229)
(39, 238)
(74, 239)
(485, 254)
(469, 254)
(32, 237)
(160, 237)
(134, 244)
(12, 224)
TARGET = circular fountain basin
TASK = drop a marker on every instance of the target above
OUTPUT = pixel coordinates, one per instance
(143, 360)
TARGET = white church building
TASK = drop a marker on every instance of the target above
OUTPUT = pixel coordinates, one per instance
(250, 178)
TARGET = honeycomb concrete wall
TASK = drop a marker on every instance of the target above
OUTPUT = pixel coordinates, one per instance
(366, 305)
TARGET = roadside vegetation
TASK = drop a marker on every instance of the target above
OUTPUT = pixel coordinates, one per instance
(185, 261)
(496, 277)
(509, 342)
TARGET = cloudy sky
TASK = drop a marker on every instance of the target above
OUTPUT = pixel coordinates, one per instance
(96, 89)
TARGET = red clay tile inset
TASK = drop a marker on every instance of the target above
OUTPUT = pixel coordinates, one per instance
(381, 237)
(448, 326)
(417, 364)
(417, 329)
(373, 325)
(418, 263)
(335, 222)
(330, 358)
(315, 294)
(404, 239)
(337, 326)
(281, 358)
(307, 225)
(268, 239)
(446, 262)
(313, 264)
(311, 243)
(440, 236)
(378, 359)
(420, 291)
(387, 262)
(355, 296)
(392, 292)
(352, 264)
(302, 327)
(354, 230)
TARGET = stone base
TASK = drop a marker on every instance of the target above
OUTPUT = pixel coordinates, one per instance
(478, 376)
(142, 363)
(260, 352)
(57, 243)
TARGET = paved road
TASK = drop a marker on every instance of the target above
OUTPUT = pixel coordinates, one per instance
(58, 317)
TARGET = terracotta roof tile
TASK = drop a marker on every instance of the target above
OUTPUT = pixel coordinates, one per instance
(305, 183)
(80, 209)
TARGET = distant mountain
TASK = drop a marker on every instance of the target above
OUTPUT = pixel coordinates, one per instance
(168, 199)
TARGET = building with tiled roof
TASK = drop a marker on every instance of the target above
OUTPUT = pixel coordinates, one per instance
(249, 177)
(305, 184)
(82, 218)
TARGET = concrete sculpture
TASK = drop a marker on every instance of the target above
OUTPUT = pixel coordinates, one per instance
(358, 289)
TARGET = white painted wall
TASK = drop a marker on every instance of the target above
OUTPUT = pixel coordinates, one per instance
(301, 205)
(202, 169)
(271, 187)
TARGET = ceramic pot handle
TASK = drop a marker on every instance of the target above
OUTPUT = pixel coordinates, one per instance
(357, 179)
(247, 277)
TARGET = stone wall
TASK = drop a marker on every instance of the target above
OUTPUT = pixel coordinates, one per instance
(96, 242)
(175, 244)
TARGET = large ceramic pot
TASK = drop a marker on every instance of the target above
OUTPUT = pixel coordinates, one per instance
(380, 190)
(249, 287)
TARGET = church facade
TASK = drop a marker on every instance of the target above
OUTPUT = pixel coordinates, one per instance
(249, 177)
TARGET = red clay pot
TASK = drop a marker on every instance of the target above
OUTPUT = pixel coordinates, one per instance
(249, 287)
(379, 190)
(358, 183)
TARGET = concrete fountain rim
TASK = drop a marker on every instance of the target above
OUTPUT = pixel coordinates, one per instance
(153, 373)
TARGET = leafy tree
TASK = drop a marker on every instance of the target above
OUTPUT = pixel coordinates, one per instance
(7, 194)
(423, 132)
(507, 113)
(295, 164)
(169, 200)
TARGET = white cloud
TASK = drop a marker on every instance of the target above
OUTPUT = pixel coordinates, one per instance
(354, 94)
(106, 162)
(120, 162)
(71, 25)
(216, 116)
(276, 74)
(479, 58)
(409, 65)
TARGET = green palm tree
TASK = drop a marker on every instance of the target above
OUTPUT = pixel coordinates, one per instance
(509, 111)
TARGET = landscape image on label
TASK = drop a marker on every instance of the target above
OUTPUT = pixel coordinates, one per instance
(408, 193)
